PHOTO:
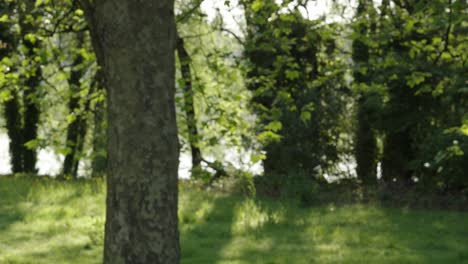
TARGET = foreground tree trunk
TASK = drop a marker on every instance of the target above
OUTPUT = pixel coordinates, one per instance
(134, 43)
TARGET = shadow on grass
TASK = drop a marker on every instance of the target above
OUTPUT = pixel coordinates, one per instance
(233, 229)
(279, 237)
(46, 221)
(13, 192)
(434, 236)
(356, 234)
(63, 254)
(206, 227)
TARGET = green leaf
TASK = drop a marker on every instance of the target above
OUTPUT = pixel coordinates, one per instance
(305, 116)
(416, 78)
(71, 118)
(257, 157)
(274, 126)
(4, 95)
(32, 144)
(257, 5)
(30, 37)
(79, 12)
(4, 18)
(464, 129)
(269, 136)
(292, 75)
(40, 2)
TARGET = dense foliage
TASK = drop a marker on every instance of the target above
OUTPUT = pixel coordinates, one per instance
(384, 91)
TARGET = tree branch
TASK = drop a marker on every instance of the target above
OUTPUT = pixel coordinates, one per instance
(185, 15)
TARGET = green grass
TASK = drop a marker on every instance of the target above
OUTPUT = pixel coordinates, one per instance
(44, 221)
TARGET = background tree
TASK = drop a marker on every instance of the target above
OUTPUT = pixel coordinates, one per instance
(75, 131)
(298, 92)
(189, 108)
(29, 22)
(10, 95)
(24, 76)
(366, 140)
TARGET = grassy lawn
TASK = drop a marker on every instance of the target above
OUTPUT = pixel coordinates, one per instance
(43, 221)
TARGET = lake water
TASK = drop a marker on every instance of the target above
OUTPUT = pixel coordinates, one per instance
(50, 163)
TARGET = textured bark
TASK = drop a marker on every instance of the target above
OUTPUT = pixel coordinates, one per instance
(134, 42)
(365, 149)
(189, 108)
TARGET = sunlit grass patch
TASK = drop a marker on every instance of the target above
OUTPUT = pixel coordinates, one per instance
(45, 221)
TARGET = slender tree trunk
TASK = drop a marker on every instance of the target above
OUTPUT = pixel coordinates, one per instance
(399, 149)
(365, 149)
(12, 107)
(72, 138)
(79, 143)
(99, 162)
(31, 120)
(398, 152)
(188, 107)
(32, 82)
(82, 130)
(134, 43)
(74, 133)
(15, 133)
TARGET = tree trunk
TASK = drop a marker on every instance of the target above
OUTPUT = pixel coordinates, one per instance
(70, 163)
(301, 145)
(82, 129)
(403, 109)
(365, 149)
(398, 152)
(134, 43)
(32, 82)
(189, 108)
(31, 120)
(14, 131)
(72, 138)
(80, 140)
(99, 162)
